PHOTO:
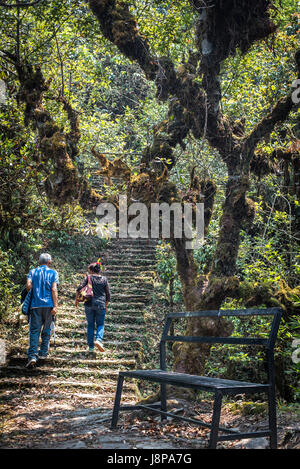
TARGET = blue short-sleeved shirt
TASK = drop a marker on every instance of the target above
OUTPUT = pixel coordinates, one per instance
(42, 280)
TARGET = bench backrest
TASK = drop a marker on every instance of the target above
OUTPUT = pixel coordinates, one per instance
(268, 343)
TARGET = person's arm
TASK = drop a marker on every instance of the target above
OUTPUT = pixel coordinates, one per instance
(29, 281)
(54, 298)
(107, 294)
(76, 299)
(83, 284)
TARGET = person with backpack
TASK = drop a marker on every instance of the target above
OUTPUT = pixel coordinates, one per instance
(96, 301)
(44, 301)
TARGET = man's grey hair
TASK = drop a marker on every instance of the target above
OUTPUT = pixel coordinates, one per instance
(45, 258)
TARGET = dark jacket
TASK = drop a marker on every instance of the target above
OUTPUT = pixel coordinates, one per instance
(101, 289)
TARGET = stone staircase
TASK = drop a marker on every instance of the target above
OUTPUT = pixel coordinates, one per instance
(70, 374)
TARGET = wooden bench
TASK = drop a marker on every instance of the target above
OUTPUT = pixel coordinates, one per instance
(220, 387)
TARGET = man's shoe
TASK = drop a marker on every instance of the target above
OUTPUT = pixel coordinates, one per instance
(31, 363)
(91, 350)
(99, 346)
(42, 357)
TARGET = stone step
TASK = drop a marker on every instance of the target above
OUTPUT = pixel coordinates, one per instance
(126, 261)
(118, 288)
(121, 254)
(138, 276)
(62, 372)
(129, 243)
(111, 344)
(129, 270)
(126, 269)
(142, 274)
(73, 354)
(108, 334)
(112, 309)
(123, 292)
(130, 299)
(40, 382)
(67, 304)
(136, 306)
(133, 241)
(131, 250)
(130, 276)
(111, 318)
(133, 287)
(133, 298)
(127, 298)
(135, 262)
(97, 362)
(128, 248)
(129, 287)
(126, 319)
(106, 399)
(123, 283)
(65, 327)
(117, 322)
(133, 315)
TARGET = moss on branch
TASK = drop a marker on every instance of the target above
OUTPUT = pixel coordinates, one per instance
(56, 147)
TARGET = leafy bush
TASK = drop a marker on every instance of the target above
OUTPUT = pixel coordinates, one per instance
(6, 290)
(167, 273)
(248, 363)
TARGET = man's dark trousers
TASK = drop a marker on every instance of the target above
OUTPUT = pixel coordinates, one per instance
(39, 324)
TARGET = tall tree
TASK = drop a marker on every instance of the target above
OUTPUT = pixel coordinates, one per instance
(194, 94)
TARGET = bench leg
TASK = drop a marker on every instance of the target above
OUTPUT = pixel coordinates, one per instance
(272, 417)
(215, 421)
(163, 400)
(115, 414)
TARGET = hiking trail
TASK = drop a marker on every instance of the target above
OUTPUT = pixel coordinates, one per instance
(71, 385)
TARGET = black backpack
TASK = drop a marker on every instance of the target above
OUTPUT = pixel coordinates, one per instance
(23, 295)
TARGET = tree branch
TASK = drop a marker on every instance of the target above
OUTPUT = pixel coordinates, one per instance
(65, 184)
(279, 113)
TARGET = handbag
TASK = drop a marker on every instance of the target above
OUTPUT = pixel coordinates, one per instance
(86, 293)
(27, 303)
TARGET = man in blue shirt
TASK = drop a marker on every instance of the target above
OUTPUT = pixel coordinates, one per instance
(43, 282)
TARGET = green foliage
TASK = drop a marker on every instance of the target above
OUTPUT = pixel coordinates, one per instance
(248, 363)
(248, 408)
(288, 338)
(204, 255)
(166, 266)
(252, 83)
(270, 250)
(166, 271)
(72, 252)
(6, 291)
(167, 25)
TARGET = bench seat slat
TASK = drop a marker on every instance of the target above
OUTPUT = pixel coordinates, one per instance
(228, 312)
(217, 340)
(194, 381)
